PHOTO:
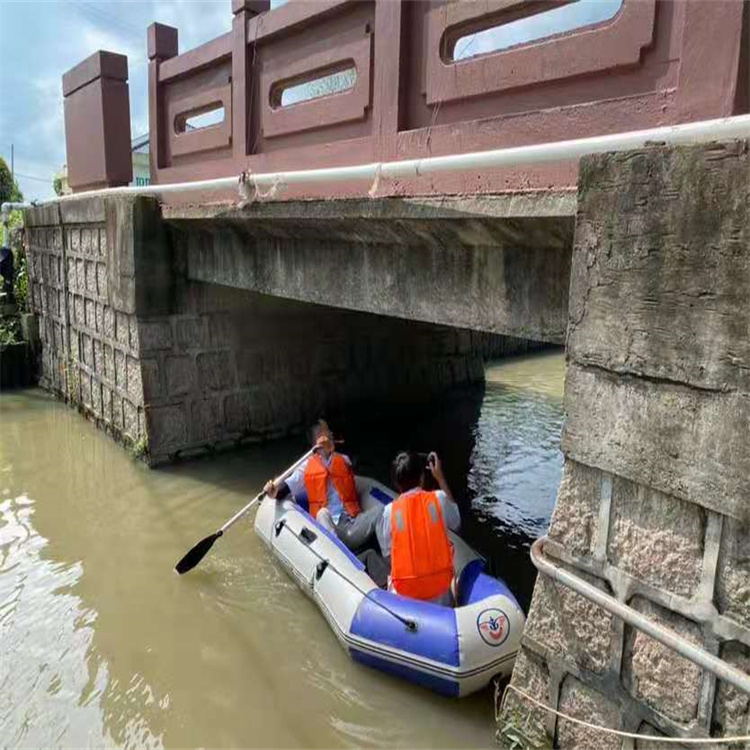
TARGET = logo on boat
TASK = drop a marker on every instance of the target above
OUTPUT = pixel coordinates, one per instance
(493, 626)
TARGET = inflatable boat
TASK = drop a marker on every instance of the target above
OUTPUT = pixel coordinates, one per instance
(454, 651)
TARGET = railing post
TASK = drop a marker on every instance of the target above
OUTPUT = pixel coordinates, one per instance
(389, 17)
(242, 106)
(97, 122)
(162, 45)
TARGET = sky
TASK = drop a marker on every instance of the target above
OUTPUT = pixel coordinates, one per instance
(42, 39)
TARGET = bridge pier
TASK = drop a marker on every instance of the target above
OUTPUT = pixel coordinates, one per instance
(654, 503)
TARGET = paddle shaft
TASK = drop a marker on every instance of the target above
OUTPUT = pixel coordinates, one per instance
(236, 517)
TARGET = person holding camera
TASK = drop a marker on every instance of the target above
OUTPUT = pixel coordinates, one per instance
(413, 531)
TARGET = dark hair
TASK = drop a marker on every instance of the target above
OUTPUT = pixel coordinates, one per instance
(406, 471)
(315, 430)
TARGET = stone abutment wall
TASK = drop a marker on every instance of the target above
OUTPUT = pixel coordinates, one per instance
(654, 505)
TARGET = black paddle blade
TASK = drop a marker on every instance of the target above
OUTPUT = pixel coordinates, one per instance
(196, 554)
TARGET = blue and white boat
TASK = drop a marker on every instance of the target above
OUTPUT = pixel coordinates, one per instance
(454, 651)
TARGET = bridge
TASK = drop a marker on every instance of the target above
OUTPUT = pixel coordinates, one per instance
(162, 312)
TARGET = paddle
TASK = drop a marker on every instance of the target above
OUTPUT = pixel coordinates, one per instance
(198, 552)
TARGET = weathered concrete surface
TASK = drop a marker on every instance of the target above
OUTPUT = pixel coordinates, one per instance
(656, 490)
(495, 263)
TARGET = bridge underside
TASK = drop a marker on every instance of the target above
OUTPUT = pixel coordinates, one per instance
(190, 328)
(498, 264)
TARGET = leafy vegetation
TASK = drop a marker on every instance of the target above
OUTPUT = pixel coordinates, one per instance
(9, 331)
(517, 732)
(9, 190)
(139, 449)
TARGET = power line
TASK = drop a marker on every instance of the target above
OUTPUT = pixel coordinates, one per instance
(32, 177)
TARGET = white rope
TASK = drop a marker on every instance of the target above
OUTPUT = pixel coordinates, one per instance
(631, 735)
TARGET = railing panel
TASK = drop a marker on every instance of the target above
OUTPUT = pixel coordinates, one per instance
(191, 94)
(339, 36)
(642, 64)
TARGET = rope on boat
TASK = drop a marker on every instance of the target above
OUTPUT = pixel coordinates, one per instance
(607, 730)
(408, 624)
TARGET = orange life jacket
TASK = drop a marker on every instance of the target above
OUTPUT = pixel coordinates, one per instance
(421, 553)
(342, 476)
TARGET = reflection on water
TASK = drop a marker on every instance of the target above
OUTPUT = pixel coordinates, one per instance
(101, 644)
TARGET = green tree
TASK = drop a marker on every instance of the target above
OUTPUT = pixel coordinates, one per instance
(9, 190)
(57, 186)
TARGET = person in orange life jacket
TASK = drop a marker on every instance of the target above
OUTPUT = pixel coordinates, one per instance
(328, 480)
(413, 531)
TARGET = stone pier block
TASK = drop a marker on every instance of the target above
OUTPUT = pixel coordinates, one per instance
(732, 708)
(656, 538)
(576, 513)
(656, 674)
(571, 625)
(733, 574)
(583, 702)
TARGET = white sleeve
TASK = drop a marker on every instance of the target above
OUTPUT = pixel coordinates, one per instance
(383, 531)
(450, 511)
(296, 482)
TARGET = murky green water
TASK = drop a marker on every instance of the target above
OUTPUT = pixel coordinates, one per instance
(101, 644)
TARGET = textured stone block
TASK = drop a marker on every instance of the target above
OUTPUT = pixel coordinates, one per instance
(101, 279)
(731, 715)
(576, 514)
(97, 355)
(135, 344)
(96, 397)
(571, 625)
(214, 371)
(87, 350)
(686, 441)
(122, 329)
(109, 323)
(117, 416)
(121, 373)
(90, 272)
(152, 388)
(90, 312)
(103, 241)
(106, 412)
(656, 674)
(100, 318)
(167, 428)
(135, 385)
(79, 316)
(85, 381)
(180, 375)
(80, 276)
(583, 702)
(190, 333)
(130, 419)
(531, 675)
(109, 363)
(733, 573)
(74, 239)
(155, 335)
(206, 419)
(656, 538)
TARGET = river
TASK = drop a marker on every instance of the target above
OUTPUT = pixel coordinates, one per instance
(101, 644)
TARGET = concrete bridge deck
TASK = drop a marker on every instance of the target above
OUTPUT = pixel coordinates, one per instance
(499, 264)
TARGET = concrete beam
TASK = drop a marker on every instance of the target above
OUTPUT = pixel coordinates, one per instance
(493, 263)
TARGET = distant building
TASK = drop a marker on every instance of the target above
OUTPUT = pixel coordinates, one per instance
(141, 170)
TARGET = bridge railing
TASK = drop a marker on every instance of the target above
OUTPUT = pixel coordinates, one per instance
(336, 82)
